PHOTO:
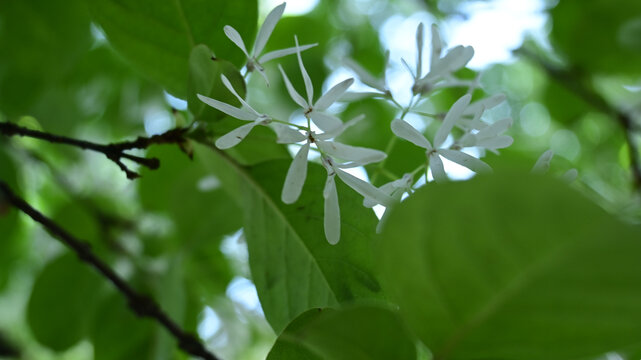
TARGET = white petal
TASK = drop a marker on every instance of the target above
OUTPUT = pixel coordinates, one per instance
(364, 188)
(241, 114)
(495, 129)
(570, 175)
(486, 103)
(292, 92)
(325, 122)
(355, 96)
(357, 154)
(235, 136)
(466, 160)
(387, 189)
(234, 36)
(365, 76)
(332, 217)
(458, 57)
(332, 95)
(409, 68)
(296, 176)
(543, 162)
(451, 118)
(339, 130)
(494, 143)
(287, 135)
(419, 48)
(405, 131)
(438, 170)
(283, 52)
(308, 82)
(267, 28)
(437, 46)
(229, 87)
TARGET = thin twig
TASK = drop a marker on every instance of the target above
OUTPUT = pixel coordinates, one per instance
(114, 152)
(142, 305)
(573, 80)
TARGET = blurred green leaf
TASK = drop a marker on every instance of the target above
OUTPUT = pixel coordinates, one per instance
(10, 245)
(512, 267)
(156, 37)
(63, 301)
(360, 332)
(600, 36)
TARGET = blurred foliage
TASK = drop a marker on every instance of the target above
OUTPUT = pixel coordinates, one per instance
(188, 233)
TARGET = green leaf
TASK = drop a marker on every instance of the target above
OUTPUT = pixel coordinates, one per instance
(352, 333)
(156, 37)
(512, 267)
(293, 266)
(11, 247)
(63, 302)
(204, 78)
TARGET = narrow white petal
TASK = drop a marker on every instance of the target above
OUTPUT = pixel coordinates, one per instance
(325, 122)
(292, 92)
(333, 94)
(234, 36)
(405, 131)
(355, 96)
(387, 189)
(409, 68)
(287, 135)
(235, 136)
(438, 170)
(543, 162)
(419, 49)
(494, 143)
(466, 160)
(364, 188)
(241, 114)
(570, 175)
(283, 52)
(229, 87)
(332, 217)
(458, 57)
(266, 29)
(308, 82)
(486, 103)
(365, 76)
(360, 155)
(437, 46)
(451, 118)
(495, 129)
(339, 130)
(296, 176)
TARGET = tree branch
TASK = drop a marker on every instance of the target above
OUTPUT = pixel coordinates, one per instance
(571, 79)
(114, 152)
(142, 305)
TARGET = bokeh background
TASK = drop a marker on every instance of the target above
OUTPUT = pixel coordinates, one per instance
(568, 69)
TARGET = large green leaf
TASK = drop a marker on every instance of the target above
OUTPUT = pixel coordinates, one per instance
(512, 267)
(293, 266)
(362, 332)
(157, 36)
(63, 302)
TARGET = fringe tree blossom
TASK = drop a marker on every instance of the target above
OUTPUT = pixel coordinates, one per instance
(246, 112)
(368, 79)
(404, 130)
(254, 59)
(315, 111)
(395, 189)
(441, 70)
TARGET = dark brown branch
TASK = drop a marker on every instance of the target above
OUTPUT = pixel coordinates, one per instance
(114, 152)
(142, 305)
(573, 80)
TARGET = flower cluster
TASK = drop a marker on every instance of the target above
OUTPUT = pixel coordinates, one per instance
(464, 119)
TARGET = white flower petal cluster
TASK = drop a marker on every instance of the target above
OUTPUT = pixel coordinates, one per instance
(488, 137)
(442, 68)
(254, 58)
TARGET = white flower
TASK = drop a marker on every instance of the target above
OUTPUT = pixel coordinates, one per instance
(441, 68)
(404, 130)
(254, 59)
(542, 164)
(245, 112)
(297, 172)
(315, 111)
(489, 137)
(395, 189)
(368, 79)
